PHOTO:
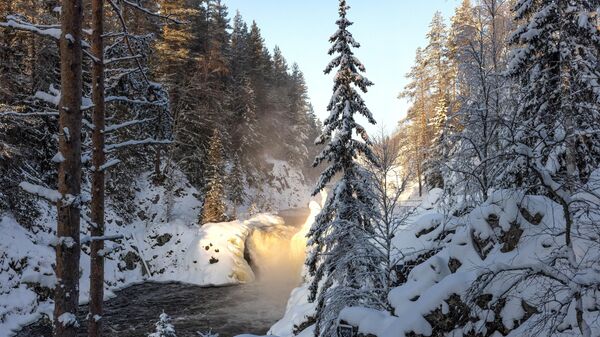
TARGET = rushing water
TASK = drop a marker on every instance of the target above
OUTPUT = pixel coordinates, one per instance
(229, 311)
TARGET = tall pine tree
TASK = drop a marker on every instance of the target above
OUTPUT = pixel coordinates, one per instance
(436, 60)
(344, 266)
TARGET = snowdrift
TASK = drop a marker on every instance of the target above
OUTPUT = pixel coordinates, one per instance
(481, 274)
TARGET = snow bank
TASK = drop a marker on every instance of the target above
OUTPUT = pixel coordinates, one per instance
(444, 257)
(209, 255)
(22, 262)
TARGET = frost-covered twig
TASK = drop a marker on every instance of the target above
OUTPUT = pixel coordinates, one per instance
(148, 141)
(146, 11)
(88, 239)
(29, 114)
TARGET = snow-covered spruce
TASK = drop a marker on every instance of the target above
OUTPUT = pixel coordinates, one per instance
(555, 63)
(343, 264)
(164, 328)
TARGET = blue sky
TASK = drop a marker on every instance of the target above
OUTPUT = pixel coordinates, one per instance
(389, 31)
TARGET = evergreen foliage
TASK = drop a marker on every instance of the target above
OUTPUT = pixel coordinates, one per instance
(555, 64)
(164, 328)
(237, 183)
(343, 262)
(217, 74)
(517, 120)
(214, 208)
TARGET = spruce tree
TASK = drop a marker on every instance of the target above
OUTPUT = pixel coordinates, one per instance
(239, 46)
(280, 67)
(237, 191)
(297, 117)
(214, 208)
(343, 264)
(258, 64)
(417, 91)
(164, 328)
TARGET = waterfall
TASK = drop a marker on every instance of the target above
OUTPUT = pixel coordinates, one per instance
(276, 253)
(271, 256)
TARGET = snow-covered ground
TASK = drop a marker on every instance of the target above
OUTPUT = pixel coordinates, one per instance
(163, 243)
(296, 321)
(501, 248)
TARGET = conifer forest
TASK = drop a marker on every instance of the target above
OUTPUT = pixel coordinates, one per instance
(232, 168)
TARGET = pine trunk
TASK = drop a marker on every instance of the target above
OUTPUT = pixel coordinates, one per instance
(157, 157)
(419, 177)
(69, 173)
(157, 160)
(98, 160)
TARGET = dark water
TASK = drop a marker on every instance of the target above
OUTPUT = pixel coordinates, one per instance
(228, 311)
(249, 308)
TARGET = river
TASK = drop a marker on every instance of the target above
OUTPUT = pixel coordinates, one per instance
(228, 311)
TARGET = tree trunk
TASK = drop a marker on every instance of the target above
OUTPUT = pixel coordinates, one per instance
(69, 173)
(157, 160)
(98, 160)
(157, 157)
(419, 174)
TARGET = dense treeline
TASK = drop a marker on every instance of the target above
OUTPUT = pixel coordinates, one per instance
(505, 106)
(458, 93)
(221, 76)
(503, 132)
(177, 78)
(491, 84)
(95, 94)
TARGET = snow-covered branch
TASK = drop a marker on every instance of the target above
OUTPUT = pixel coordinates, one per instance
(146, 11)
(124, 99)
(108, 164)
(119, 126)
(148, 141)
(53, 98)
(29, 114)
(17, 23)
(42, 192)
(122, 59)
(89, 239)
